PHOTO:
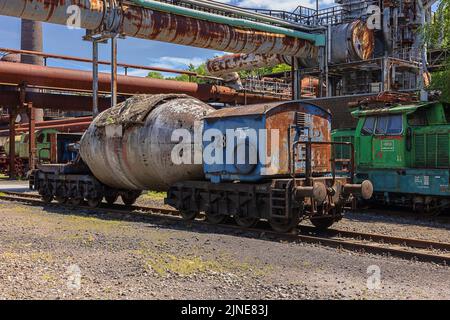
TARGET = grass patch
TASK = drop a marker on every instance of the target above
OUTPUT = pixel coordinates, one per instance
(155, 195)
(36, 257)
(184, 265)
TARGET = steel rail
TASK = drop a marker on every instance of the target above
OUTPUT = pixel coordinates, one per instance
(351, 245)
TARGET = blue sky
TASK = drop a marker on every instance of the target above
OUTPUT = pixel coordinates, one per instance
(60, 40)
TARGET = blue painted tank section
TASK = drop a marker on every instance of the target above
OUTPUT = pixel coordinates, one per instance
(252, 118)
(230, 172)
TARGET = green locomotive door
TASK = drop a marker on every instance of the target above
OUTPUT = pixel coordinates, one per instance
(365, 142)
(388, 142)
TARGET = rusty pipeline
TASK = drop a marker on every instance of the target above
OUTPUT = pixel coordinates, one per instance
(60, 78)
(54, 101)
(350, 42)
(65, 127)
(137, 21)
(221, 66)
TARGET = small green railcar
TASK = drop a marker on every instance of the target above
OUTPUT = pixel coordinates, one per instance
(404, 150)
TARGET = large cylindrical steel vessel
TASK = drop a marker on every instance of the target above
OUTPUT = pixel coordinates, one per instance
(351, 42)
(130, 146)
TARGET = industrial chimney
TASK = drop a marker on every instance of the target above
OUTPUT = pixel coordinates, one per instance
(31, 39)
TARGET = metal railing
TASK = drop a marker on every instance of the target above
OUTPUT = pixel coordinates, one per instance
(267, 87)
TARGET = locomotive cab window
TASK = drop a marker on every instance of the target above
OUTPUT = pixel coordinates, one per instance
(395, 125)
(389, 125)
(381, 125)
(369, 125)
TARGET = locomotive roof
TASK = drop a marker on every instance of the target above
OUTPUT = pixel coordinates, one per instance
(392, 109)
(265, 108)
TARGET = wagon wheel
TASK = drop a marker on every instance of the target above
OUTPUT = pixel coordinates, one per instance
(188, 215)
(216, 218)
(111, 199)
(47, 198)
(322, 223)
(285, 225)
(94, 202)
(246, 222)
(75, 201)
(60, 199)
(129, 198)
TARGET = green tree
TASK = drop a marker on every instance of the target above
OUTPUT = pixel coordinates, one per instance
(155, 75)
(200, 70)
(264, 71)
(437, 32)
(437, 35)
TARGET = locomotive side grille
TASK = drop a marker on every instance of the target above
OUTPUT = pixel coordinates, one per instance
(419, 148)
(431, 150)
(442, 150)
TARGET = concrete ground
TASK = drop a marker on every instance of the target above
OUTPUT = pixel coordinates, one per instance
(60, 253)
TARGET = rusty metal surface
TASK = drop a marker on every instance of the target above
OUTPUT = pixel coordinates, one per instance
(386, 98)
(220, 66)
(31, 39)
(55, 11)
(53, 101)
(65, 127)
(139, 155)
(258, 109)
(60, 78)
(320, 130)
(153, 25)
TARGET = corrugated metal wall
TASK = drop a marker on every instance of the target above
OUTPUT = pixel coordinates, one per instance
(342, 119)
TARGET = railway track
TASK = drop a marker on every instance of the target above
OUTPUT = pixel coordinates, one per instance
(405, 248)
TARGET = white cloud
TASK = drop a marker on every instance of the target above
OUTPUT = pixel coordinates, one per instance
(176, 62)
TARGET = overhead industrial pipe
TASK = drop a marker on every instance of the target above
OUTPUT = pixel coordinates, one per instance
(70, 127)
(58, 122)
(317, 39)
(54, 101)
(137, 21)
(60, 78)
(352, 41)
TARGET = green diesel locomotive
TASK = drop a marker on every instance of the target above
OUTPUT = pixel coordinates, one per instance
(404, 151)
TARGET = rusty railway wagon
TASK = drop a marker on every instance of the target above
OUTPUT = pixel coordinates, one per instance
(269, 162)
